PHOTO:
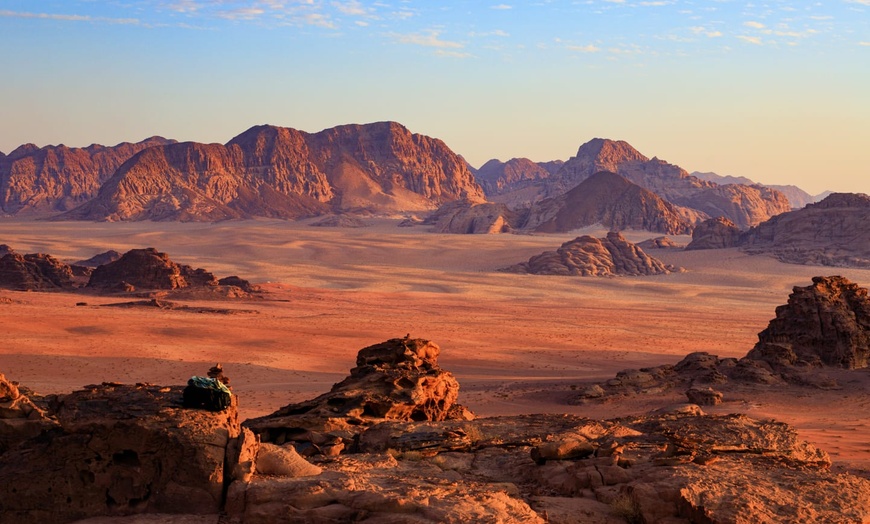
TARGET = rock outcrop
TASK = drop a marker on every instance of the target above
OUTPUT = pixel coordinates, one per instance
(270, 171)
(610, 200)
(589, 256)
(467, 217)
(57, 178)
(118, 450)
(396, 380)
(832, 232)
(99, 259)
(659, 243)
(147, 269)
(716, 233)
(826, 323)
(34, 272)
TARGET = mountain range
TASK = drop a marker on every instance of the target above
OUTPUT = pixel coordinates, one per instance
(797, 197)
(378, 168)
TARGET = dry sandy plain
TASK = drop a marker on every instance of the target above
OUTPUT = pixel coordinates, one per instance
(516, 343)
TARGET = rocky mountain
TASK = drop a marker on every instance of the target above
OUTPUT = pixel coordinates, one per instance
(613, 201)
(496, 177)
(745, 205)
(34, 272)
(588, 256)
(147, 269)
(281, 172)
(832, 232)
(57, 178)
(797, 197)
(466, 217)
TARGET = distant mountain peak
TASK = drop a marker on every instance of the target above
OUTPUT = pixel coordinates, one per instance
(607, 152)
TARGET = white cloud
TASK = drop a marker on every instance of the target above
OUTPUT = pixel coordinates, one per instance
(428, 38)
(244, 13)
(501, 6)
(583, 48)
(750, 39)
(69, 18)
(452, 54)
(496, 32)
(864, 43)
(754, 25)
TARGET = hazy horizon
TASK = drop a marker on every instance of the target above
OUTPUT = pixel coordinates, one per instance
(770, 91)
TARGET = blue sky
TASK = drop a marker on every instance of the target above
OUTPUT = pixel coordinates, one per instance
(774, 90)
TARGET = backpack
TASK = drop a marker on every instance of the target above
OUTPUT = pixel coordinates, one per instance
(207, 393)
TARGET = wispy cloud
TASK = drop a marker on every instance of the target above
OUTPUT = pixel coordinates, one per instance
(754, 25)
(69, 18)
(501, 6)
(583, 48)
(750, 39)
(429, 38)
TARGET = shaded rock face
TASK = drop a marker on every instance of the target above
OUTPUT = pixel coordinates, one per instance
(589, 256)
(496, 177)
(284, 173)
(746, 206)
(119, 450)
(832, 232)
(99, 259)
(826, 323)
(34, 272)
(57, 178)
(397, 380)
(466, 217)
(610, 200)
(659, 243)
(148, 269)
(716, 233)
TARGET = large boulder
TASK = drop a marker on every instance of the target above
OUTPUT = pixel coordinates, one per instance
(590, 256)
(119, 450)
(716, 233)
(827, 323)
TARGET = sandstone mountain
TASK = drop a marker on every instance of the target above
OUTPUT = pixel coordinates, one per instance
(57, 178)
(745, 205)
(467, 217)
(832, 232)
(797, 197)
(281, 172)
(589, 256)
(497, 177)
(611, 200)
(148, 269)
(34, 272)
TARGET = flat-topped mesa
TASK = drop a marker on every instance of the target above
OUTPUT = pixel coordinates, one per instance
(827, 323)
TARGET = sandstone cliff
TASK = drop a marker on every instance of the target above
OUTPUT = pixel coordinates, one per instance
(34, 272)
(716, 233)
(589, 256)
(611, 200)
(467, 217)
(57, 178)
(280, 172)
(832, 232)
(744, 205)
(496, 177)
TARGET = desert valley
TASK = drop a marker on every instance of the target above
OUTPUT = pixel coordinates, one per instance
(561, 298)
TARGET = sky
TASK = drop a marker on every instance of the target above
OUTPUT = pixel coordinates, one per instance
(776, 91)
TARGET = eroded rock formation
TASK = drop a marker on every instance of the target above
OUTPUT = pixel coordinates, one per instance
(590, 256)
(467, 217)
(716, 233)
(34, 272)
(826, 323)
(148, 269)
(659, 243)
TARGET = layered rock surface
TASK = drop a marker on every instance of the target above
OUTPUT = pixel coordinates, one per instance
(34, 272)
(57, 178)
(281, 172)
(148, 269)
(590, 256)
(832, 232)
(467, 217)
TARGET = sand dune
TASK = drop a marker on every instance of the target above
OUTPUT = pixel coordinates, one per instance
(517, 343)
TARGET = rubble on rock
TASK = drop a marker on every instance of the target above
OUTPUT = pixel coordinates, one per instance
(589, 256)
